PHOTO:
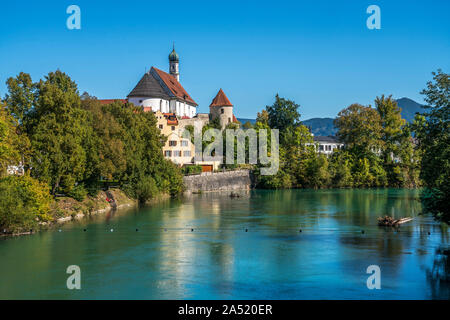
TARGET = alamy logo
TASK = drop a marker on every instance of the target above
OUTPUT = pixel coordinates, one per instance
(374, 21)
(244, 144)
(74, 20)
(374, 281)
(73, 281)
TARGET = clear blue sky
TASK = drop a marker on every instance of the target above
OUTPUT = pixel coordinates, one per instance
(318, 53)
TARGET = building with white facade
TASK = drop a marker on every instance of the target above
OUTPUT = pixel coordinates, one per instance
(161, 91)
(327, 144)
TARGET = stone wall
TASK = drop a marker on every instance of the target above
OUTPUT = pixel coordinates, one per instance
(218, 181)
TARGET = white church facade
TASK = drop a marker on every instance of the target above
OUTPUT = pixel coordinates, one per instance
(161, 91)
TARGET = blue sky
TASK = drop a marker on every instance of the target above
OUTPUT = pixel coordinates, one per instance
(318, 53)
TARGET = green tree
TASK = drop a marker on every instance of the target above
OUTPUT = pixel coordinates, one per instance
(434, 137)
(58, 130)
(283, 115)
(24, 202)
(359, 127)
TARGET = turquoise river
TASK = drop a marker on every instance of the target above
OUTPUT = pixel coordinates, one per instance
(290, 244)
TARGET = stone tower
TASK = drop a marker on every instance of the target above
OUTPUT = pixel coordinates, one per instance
(221, 108)
(174, 62)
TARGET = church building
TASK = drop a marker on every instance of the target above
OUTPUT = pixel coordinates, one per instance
(161, 91)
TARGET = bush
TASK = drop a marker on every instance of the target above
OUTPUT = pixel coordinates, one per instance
(23, 203)
(78, 192)
(146, 189)
(192, 169)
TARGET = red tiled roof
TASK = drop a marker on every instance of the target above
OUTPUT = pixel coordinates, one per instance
(174, 86)
(171, 118)
(221, 100)
(234, 119)
(108, 101)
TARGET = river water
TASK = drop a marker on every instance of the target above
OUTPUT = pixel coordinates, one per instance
(210, 246)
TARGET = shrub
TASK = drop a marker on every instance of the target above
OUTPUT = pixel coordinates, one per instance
(24, 202)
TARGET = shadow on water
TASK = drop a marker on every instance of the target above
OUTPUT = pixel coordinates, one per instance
(438, 276)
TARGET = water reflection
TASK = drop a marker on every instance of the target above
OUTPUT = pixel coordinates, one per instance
(211, 246)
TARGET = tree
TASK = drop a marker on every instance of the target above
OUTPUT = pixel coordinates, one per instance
(359, 127)
(284, 116)
(391, 126)
(20, 98)
(8, 140)
(58, 131)
(434, 137)
(263, 117)
(247, 125)
(24, 202)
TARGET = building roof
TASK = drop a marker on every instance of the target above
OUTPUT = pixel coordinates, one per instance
(329, 139)
(148, 86)
(173, 85)
(221, 100)
(173, 56)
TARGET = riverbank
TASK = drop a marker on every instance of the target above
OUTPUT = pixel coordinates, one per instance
(66, 209)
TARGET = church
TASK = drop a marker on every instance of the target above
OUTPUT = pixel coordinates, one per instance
(162, 93)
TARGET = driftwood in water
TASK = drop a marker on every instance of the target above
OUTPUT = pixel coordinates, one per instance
(391, 222)
(234, 195)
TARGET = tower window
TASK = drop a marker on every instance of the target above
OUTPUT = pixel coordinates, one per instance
(222, 111)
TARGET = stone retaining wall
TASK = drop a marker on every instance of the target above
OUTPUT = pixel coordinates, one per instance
(218, 181)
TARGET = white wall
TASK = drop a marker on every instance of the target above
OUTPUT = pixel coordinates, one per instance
(165, 106)
(155, 103)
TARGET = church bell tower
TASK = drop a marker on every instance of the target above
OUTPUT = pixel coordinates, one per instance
(174, 62)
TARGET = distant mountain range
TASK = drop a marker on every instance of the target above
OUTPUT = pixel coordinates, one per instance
(325, 126)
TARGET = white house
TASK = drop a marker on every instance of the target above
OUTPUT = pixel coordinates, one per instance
(327, 145)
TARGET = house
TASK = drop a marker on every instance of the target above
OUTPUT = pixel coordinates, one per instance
(327, 144)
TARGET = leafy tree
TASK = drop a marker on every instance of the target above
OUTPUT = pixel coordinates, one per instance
(58, 131)
(263, 117)
(284, 116)
(391, 126)
(359, 127)
(20, 98)
(434, 137)
(247, 125)
(8, 140)
(23, 203)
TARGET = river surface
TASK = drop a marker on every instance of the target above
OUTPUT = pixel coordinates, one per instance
(210, 246)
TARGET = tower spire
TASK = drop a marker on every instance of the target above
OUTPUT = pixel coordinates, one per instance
(174, 61)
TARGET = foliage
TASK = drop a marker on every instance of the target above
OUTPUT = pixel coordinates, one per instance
(195, 169)
(23, 203)
(433, 133)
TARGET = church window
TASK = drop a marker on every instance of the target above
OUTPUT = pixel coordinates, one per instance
(173, 128)
(186, 154)
(160, 126)
(167, 153)
(229, 120)
(184, 143)
(172, 143)
(222, 111)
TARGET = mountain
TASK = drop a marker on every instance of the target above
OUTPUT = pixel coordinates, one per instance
(243, 120)
(325, 126)
(409, 108)
(321, 126)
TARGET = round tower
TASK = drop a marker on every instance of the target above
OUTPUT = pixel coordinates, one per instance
(221, 108)
(174, 62)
